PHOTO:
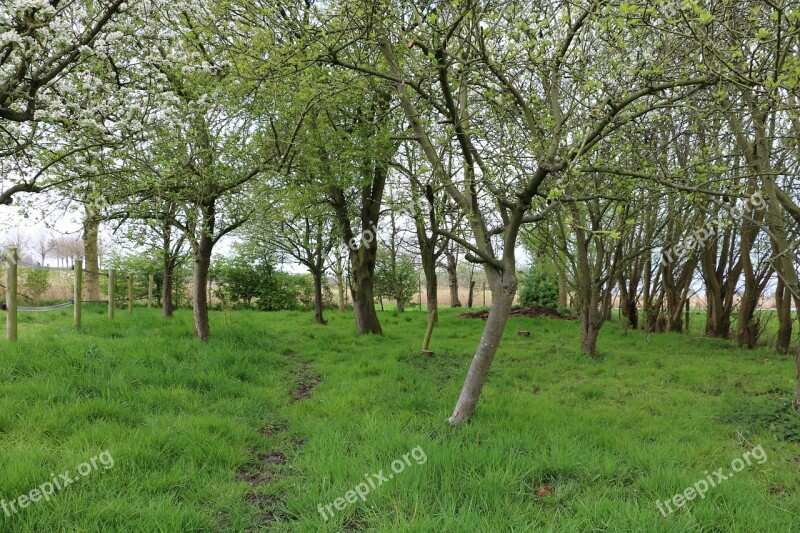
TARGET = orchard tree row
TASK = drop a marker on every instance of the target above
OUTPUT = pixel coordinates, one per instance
(633, 146)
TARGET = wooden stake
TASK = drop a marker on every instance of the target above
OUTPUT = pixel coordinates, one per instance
(78, 298)
(111, 294)
(150, 284)
(130, 292)
(11, 293)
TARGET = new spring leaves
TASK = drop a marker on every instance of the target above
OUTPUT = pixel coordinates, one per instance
(699, 238)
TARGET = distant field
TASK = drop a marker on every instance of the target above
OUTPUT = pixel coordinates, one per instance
(275, 418)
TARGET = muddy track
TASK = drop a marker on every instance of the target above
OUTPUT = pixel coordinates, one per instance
(267, 467)
(307, 380)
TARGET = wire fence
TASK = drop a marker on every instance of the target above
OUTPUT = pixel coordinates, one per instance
(45, 288)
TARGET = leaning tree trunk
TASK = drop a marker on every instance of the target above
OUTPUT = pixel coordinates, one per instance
(504, 289)
(797, 365)
(783, 262)
(318, 303)
(202, 263)
(91, 230)
(471, 294)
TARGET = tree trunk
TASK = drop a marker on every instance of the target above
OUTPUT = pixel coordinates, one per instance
(202, 263)
(432, 291)
(452, 277)
(167, 307)
(471, 294)
(362, 291)
(318, 303)
(797, 365)
(783, 307)
(431, 284)
(607, 305)
(338, 271)
(589, 335)
(91, 230)
(503, 292)
(563, 289)
(748, 328)
(592, 317)
(453, 284)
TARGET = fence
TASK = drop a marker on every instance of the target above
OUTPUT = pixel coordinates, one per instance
(13, 294)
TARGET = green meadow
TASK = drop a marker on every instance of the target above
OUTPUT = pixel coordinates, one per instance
(275, 418)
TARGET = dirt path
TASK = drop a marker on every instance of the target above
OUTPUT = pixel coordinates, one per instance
(270, 466)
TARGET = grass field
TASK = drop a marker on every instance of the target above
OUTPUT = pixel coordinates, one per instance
(276, 418)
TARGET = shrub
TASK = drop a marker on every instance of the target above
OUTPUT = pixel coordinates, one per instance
(244, 281)
(539, 289)
(37, 281)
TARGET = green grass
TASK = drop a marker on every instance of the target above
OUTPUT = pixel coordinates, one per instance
(188, 425)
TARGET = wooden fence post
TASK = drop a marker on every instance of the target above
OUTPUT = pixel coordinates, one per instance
(11, 293)
(688, 317)
(130, 292)
(150, 283)
(111, 294)
(78, 298)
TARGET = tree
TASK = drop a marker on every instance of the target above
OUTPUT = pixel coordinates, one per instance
(307, 237)
(222, 134)
(48, 61)
(395, 277)
(45, 244)
(559, 118)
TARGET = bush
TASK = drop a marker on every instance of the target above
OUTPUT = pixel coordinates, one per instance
(37, 281)
(539, 289)
(402, 280)
(245, 281)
